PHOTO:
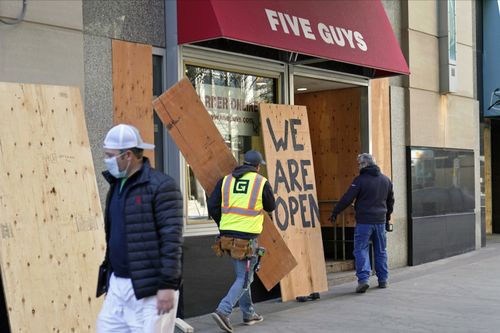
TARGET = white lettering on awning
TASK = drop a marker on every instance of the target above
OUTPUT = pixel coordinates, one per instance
(301, 27)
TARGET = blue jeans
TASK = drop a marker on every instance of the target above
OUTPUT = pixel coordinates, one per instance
(240, 290)
(362, 235)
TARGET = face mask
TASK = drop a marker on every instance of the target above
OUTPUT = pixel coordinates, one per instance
(114, 170)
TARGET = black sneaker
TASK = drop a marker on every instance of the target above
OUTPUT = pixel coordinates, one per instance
(256, 318)
(223, 322)
(382, 284)
(362, 287)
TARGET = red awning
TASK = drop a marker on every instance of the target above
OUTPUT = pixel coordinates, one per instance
(355, 32)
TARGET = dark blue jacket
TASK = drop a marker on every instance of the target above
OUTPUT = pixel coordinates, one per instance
(372, 194)
(215, 201)
(153, 216)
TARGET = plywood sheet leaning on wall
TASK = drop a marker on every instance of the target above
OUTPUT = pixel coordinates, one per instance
(133, 88)
(287, 142)
(50, 214)
(203, 147)
(381, 125)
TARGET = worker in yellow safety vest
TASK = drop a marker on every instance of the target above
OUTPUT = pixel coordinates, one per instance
(237, 205)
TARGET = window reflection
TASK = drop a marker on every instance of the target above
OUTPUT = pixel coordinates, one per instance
(442, 181)
(232, 100)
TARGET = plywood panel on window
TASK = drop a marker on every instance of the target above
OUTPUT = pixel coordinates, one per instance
(52, 237)
(133, 88)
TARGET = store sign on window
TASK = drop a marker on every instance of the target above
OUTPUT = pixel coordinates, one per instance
(231, 109)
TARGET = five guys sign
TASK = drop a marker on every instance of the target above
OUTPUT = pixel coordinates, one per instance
(350, 31)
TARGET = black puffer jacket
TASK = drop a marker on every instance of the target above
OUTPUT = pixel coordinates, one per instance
(373, 196)
(153, 223)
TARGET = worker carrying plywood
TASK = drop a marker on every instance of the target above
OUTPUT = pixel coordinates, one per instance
(141, 272)
(237, 205)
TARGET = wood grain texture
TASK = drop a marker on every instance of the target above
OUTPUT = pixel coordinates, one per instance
(381, 125)
(191, 127)
(291, 174)
(51, 220)
(334, 121)
(133, 89)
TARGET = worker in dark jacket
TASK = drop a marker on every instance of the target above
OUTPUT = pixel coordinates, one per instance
(143, 224)
(373, 200)
(237, 205)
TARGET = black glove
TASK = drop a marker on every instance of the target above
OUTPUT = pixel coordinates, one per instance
(388, 226)
(332, 219)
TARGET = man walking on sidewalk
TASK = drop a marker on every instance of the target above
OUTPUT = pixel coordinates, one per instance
(143, 224)
(237, 205)
(373, 200)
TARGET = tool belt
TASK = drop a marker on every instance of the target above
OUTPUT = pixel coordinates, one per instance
(237, 248)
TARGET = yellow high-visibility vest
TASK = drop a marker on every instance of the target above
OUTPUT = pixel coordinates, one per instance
(242, 208)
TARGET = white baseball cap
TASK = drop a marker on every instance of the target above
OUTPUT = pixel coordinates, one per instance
(124, 136)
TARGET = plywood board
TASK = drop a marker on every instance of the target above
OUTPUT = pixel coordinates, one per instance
(133, 88)
(278, 260)
(191, 127)
(381, 125)
(52, 237)
(285, 130)
(334, 124)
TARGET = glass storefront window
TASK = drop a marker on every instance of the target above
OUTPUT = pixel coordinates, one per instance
(442, 181)
(232, 99)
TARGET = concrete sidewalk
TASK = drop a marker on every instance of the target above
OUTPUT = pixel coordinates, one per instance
(458, 294)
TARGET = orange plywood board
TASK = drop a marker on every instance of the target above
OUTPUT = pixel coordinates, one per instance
(381, 124)
(290, 167)
(278, 260)
(191, 127)
(133, 88)
(52, 237)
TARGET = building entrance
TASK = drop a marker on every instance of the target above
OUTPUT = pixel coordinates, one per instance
(336, 117)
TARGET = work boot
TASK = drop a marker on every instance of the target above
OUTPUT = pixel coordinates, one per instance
(223, 321)
(362, 287)
(382, 284)
(256, 318)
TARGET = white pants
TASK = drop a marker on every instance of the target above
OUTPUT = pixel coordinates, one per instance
(123, 313)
